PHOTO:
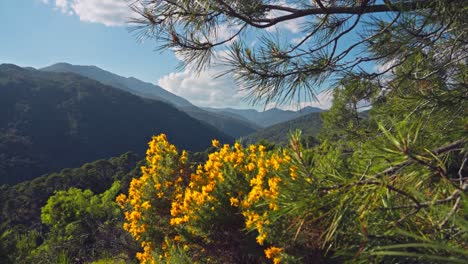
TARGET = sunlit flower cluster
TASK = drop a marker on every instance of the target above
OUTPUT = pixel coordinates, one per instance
(273, 254)
(247, 179)
(160, 181)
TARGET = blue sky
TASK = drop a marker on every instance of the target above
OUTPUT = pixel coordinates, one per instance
(39, 33)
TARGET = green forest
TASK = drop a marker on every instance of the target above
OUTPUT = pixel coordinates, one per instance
(380, 177)
(51, 121)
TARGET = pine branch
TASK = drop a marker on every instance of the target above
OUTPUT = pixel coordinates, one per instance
(392, 170)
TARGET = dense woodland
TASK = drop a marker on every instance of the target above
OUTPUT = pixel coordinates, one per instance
(388, 185)
(26, 238)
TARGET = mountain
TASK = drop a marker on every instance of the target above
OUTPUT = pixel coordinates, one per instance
(269, 117)
(309, 124)
(50, 121)
(131, 84)
(230, 125)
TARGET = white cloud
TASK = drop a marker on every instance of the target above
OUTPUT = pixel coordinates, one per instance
(107, 12)
(226, 31)
(296, 41)
(203, 89)
(380, 68)
(292, 25)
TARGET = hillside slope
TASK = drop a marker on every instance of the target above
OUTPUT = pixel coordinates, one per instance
(310, 125)
(50, 121)
(266, 118)
(230, 125)
(130, 84)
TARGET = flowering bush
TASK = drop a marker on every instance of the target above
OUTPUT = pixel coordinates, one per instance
(235, 191)
(246, 204)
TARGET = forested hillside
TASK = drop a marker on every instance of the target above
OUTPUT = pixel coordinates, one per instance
(269, 117)
(51, 121)
(22, 231)
(310, 125)
(132, 85)
(230, 125)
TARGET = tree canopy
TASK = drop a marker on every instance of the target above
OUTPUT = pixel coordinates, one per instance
(337, 38)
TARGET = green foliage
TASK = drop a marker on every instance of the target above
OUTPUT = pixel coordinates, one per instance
(83, 226)
(21, 227)
(345, 122)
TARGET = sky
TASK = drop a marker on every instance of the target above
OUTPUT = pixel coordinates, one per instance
(39, 33)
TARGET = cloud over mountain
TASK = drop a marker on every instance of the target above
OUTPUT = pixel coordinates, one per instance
(203, 88)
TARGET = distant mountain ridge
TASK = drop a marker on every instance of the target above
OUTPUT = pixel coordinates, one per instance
(269, 117)
(50, 121)
(230, 125)
(130, 84)
(310, 125)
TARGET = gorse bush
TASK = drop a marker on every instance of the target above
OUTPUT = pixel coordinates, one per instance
(226, 201)
(293, 204)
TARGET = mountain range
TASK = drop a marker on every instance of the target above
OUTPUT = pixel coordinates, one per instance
(233, 122)
(65, 115)
(266, 118)
(229, 125)
(50, 121)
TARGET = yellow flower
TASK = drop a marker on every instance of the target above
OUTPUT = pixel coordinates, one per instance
(146, 205)
(250, 166)
(293, 172)
(252, 148)
(121, 199)
(261, 238)
(273, 206)
(261, 148)
(237, 146)
(234, 201)
(272, 251)
(215, 143)
(183, 157)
